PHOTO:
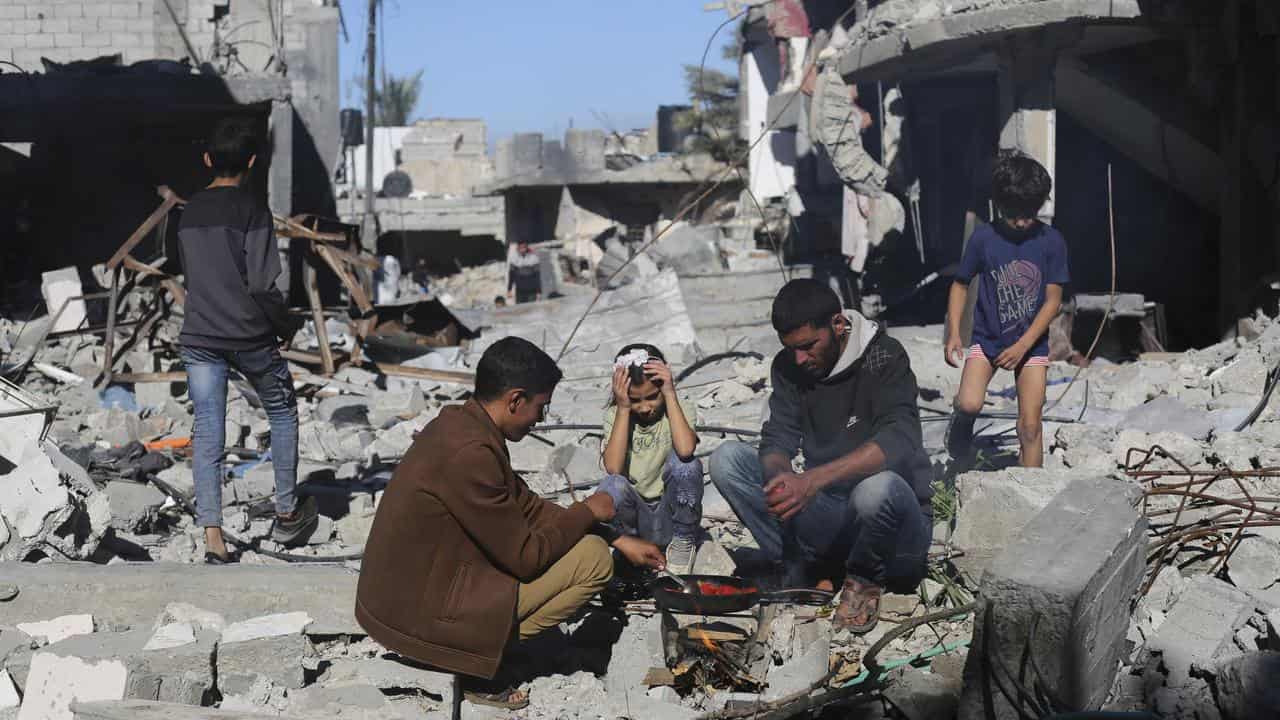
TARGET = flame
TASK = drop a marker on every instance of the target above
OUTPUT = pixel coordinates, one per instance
(707, 642)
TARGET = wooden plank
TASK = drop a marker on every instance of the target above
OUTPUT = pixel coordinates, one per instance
(291, 228)
(449, 376)
(168, 282)
(109, 341)
(358, 294)
(317, 316)
(354, 259)
(170, 200)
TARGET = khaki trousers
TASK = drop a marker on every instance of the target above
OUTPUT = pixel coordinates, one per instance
(566, 586)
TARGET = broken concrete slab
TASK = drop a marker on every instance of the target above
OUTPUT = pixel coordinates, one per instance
(385, 673)
(266, 626)
(919, 695)
(1246, 686)
(171, 636)
(35, 501)
(8, 693)
(187, 614)
(390, 407)
(713, 559)
(277, 660)
(146, 710)
(1199, 628)
(575, 464)
(1273, 630)
(58, 629)
(181, 674)
(63, 296)
(133, 505)
(54, 683)
(1254, 564)
(344, 410)
(1166, 414)
(325, 592)
(1071, 572)
(995, 506)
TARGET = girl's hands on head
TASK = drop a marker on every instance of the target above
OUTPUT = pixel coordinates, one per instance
(660, 372)
(621, 384)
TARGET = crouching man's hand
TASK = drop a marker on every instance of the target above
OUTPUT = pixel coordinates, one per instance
(601, 506)
(640, 553)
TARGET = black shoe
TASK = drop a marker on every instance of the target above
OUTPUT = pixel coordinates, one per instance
(296, 530)
(959, 436)
(212, 558)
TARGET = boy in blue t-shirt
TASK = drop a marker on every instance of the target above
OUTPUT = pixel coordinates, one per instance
(1023, 263)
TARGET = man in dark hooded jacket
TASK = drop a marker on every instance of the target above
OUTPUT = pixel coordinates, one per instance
(845, 396)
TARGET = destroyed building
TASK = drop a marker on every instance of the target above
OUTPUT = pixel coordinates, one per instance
(106, 101)
(1138, 571)
(433, 213)
(1161, 112)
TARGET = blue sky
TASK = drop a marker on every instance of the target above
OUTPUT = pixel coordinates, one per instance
(535, 66)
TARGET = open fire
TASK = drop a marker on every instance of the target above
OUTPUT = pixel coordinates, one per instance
(710, 655)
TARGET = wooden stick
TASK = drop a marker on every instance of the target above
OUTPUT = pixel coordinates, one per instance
(357, 292)
(354, 259)
(292, 228)
(449, 376)
(108, 343)
(317, 317)
(168, 282)
(170, 200)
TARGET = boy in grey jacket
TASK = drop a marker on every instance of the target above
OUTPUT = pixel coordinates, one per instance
(844, 394)
(233, 315)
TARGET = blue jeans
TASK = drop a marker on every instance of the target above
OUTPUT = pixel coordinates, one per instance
(268, 373)
(877, 525)
(677, 513)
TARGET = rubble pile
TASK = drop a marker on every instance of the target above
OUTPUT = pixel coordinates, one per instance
(102, 474)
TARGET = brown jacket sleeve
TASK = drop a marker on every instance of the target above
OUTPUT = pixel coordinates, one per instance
(522, 538)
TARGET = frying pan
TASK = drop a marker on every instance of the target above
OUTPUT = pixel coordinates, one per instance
(740, 594)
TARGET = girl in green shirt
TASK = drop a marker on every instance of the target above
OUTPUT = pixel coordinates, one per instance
(653, 477)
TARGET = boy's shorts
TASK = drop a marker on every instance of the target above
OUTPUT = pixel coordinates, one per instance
(976, 353)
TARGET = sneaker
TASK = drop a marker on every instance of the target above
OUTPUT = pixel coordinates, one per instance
(959, 436)
(681, 552)
(296, 530)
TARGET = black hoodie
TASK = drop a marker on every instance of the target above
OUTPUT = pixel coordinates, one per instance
(869, 397)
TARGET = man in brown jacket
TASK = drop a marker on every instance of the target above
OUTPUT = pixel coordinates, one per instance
(462, 553)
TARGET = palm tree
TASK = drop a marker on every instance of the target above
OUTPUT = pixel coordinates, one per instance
(394, 102)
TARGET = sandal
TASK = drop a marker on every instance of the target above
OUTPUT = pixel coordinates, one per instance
(213, 558)
(501, 699)
(859, 608)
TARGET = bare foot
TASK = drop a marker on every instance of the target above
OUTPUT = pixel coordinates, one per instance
(826, 585)
(213, 541)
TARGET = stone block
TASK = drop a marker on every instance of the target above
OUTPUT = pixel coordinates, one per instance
(1246, 686)
(133, 505)
(58, 288)
(1273, 630)
(388, 407)
(344, 410)
(58, 629)
(1166, 414)
(275, 660)
(266, 626)
(54, 683)
(35, 502)
(188, 614)
(919, 695)
(386, 674)
(8, 692)
(147, 710)
(1199, 628)
(181, 674)
(995, 506)
(171, 636)
(575, 464)
(1072, 571)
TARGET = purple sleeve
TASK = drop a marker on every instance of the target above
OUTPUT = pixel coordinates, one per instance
(1056, 270)
(971, 260)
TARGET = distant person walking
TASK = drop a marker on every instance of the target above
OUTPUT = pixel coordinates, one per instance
(524, 273)
(234, 315)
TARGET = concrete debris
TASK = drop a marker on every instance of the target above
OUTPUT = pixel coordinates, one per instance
(171, 636)
(58, 629)
(245, 667)
(266, 626)
(1069, 574)
(1246, 686)
(995, 506)
(8, 693)
(1197, 630)
(921, 695)
(576, 465)
(8, 592)
(1255, 564)
(133, 506)
(54, 683)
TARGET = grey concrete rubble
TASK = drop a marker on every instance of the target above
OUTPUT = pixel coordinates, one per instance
(1067, 578)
